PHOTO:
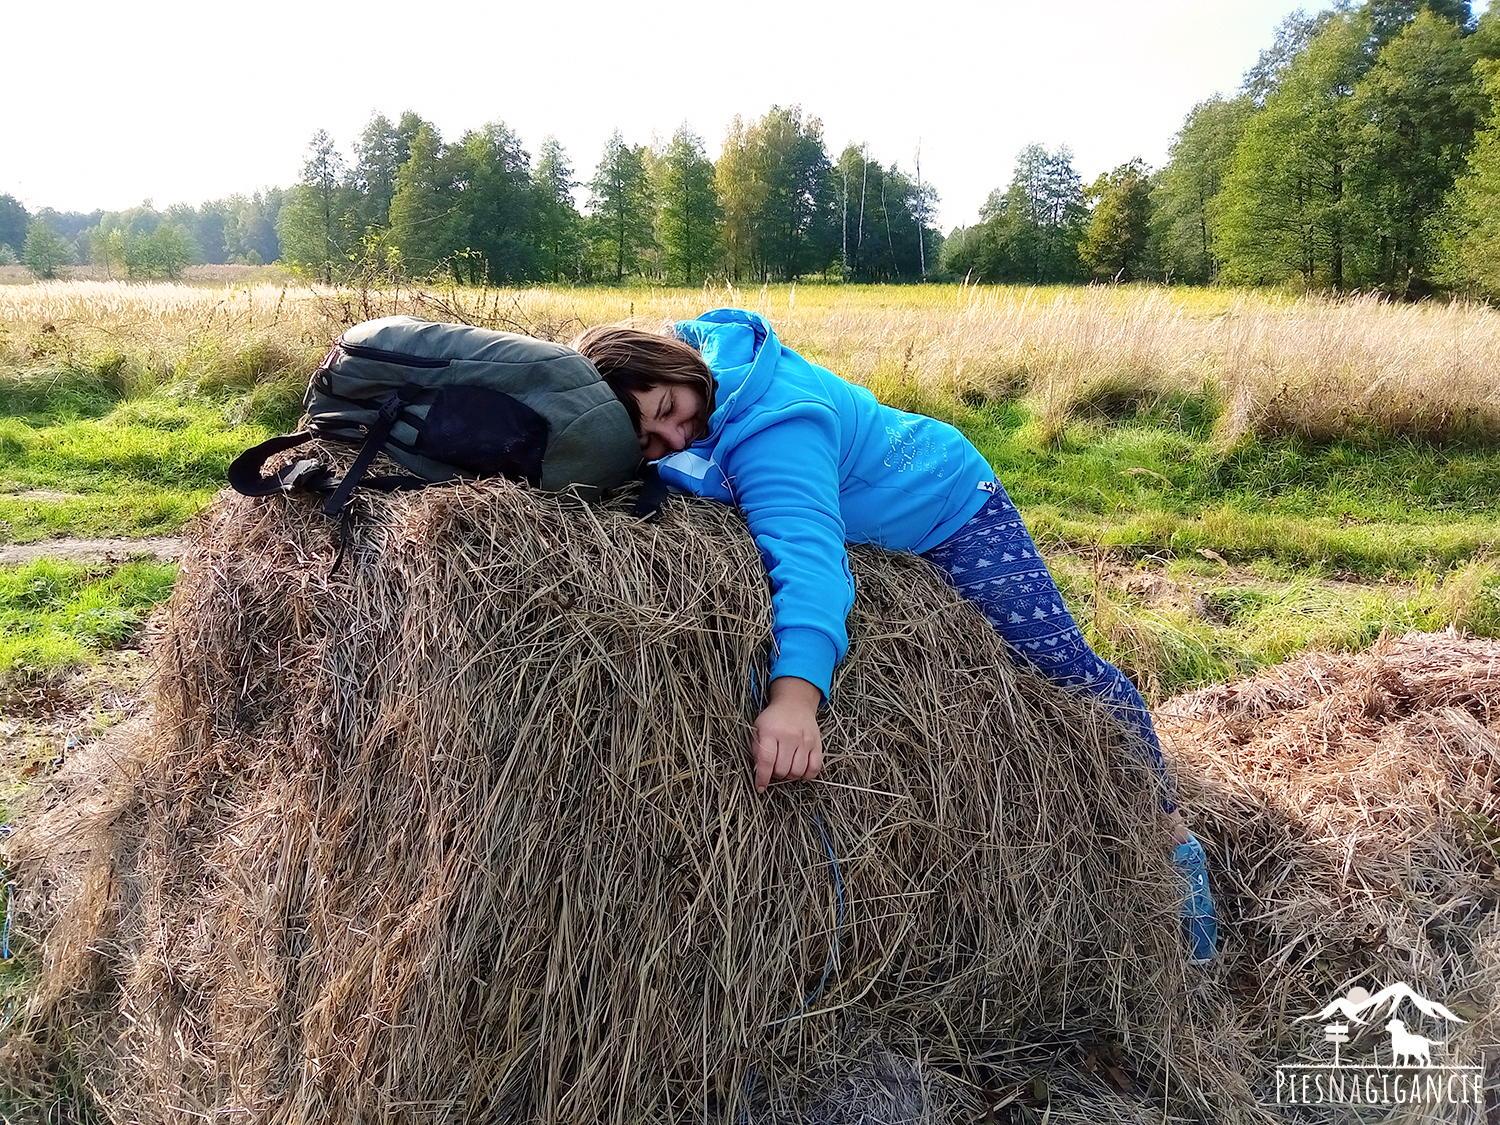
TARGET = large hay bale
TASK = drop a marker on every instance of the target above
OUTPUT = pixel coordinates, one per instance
(465, 831)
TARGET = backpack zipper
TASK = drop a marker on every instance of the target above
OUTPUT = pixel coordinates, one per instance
(364, 351)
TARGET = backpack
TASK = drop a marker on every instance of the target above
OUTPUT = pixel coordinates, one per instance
(451, 402)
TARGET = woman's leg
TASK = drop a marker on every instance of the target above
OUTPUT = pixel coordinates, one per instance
(993, 562)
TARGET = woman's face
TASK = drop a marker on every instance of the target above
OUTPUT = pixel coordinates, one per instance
(669, 418)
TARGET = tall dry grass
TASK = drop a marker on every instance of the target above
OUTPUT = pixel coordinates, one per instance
(1260, 363)
(1267, 365)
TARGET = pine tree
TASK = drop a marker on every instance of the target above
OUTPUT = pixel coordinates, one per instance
(621, 207)
(557, 219)
(689, 213)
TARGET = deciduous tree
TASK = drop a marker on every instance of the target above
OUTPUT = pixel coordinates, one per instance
(1414, 114)
(250, 228)
(494, 198)
(882, 219)
(318, 227)
(1116, 244)
(159, 256)
(44, 251)
(378, 155)
(795, 225)
(428, 224)
(1031, 229)
(1467, 229)
(1283, 210)
(742, 191)
(1183, 194)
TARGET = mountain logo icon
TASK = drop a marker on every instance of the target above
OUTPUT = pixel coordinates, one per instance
(1361, 1006)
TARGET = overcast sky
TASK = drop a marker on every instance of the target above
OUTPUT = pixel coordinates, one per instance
(110, 103)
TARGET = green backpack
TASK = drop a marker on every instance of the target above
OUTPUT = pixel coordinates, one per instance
(451, 402)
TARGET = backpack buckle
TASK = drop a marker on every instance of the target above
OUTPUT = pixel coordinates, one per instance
(298, 471)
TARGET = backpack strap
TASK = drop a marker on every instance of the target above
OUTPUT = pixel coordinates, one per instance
(245, 473)
(653, 494)
(380, 429)
(309, 475)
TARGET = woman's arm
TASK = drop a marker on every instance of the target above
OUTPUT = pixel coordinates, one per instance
(785, 480)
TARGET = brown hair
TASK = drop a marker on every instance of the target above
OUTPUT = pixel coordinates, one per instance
(632, 360)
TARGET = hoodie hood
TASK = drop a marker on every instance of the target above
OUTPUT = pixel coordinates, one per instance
(742, 351)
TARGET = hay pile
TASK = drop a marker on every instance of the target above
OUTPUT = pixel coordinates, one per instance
(1351, 804)
(465, 831)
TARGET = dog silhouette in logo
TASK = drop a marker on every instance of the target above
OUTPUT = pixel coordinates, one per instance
(1415, 1049)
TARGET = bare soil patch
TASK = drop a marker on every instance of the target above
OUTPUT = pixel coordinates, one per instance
(91, 550)
(47, 494)
(47, 725)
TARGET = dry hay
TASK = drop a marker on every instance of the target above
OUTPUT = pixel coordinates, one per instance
(465, 831)
(1351, 805)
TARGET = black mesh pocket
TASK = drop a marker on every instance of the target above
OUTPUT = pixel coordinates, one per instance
(484, 433)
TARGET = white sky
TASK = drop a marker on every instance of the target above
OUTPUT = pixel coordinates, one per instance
(110, 102)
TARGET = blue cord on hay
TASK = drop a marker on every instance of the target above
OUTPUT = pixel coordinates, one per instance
(838, 933)
(833, 955)
(10, 903)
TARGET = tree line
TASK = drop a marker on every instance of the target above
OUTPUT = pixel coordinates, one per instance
(143, 243)
(773, 206)
(1361, 153)
(480, 209)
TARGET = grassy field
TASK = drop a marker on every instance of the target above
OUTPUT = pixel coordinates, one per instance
(1220, 479)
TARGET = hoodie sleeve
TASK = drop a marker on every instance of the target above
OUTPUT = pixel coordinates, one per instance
(785, 480)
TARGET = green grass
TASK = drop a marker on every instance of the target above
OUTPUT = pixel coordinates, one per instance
(1159, 482)
(55, 614)
(1330, 542)
(1188, 558)
(130, 432)
(1216, 627)
(124, 466)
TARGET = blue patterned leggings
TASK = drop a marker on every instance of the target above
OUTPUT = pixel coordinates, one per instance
(993, 562)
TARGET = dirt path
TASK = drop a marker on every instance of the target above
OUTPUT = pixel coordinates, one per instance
(91, 550)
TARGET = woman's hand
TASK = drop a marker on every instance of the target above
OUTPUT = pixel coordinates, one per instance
(1177, 827)
(787, 744)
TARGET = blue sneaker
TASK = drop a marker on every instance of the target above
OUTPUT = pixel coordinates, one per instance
(1200, 923)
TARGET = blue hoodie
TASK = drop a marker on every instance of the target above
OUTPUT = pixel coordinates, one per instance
(815, 463)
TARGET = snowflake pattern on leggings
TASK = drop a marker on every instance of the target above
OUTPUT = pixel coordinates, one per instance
(993, 562)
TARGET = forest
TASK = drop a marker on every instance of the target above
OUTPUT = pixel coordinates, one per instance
(1361, 154)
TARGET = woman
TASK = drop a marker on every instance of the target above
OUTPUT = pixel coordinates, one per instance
(814, 463)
